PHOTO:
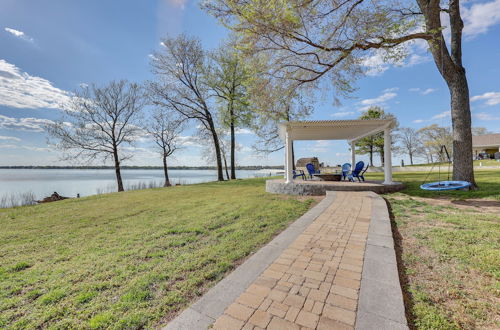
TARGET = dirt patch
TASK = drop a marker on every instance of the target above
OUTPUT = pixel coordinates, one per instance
(476, 205)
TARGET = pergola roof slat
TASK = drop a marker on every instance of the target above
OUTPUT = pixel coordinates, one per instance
(334, 129)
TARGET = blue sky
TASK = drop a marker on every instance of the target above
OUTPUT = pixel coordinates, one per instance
(48, 48)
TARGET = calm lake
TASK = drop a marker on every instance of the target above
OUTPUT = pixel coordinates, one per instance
(71, 182)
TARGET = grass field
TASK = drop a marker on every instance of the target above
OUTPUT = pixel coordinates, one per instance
(449, 250)
(130, 260)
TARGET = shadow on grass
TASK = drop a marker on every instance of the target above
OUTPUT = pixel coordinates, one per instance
(403, 278)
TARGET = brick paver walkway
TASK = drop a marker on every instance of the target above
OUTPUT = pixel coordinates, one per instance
(315, 282)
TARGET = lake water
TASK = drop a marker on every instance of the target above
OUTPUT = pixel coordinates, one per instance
(70, 182)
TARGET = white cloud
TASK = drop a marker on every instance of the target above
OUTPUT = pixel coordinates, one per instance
(8, 146)
(479, 17)
(189, 141)
(24, 124)
(428, 91)
(178, 3)
(444, 114)
(30, 148)
(19, 34)
(321, 146)
(342, 114)
(486, 116)
(380, 99)
(491, 98)
(415, 59)
(422, 91)
(9, 138)
(243, 131)
(20, 90)
(375, 63)
(392, 89)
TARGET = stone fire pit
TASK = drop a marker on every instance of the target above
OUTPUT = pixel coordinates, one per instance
(329, 176)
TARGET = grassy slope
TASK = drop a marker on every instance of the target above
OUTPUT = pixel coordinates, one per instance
(450, 252)
(128, 260)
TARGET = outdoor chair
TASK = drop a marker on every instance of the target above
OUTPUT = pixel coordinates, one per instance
(297, 173)
(346, 168)
(312, 170)
(356, 172)
(362, 174)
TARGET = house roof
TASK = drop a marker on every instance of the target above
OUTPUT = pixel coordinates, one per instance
(334, 129)
(486, 140)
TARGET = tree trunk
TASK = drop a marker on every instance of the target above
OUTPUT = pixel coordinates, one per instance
(165, 171)
(463, 167)
(215, 137)
(233, 143)
(225, 164)
(293, 158)
(449, 65)
(371, 157)
(381, 152)
(119, 181)
(411, 158)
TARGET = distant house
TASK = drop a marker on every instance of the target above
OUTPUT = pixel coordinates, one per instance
(302, 162)
(487, 143)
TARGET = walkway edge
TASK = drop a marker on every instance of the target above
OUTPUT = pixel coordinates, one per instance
(380, 303)
(212, 304)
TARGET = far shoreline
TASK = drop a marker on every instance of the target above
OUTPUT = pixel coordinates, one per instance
(30, 167)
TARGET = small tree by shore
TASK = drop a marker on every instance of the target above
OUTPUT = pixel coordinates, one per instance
(165, 131)
(99, 122)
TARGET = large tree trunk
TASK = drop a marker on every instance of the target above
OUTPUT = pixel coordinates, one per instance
(165, 171)
(451, 69)
(118, 173)
(233, 143)
(463, 167)
(411, 158)
(215, 138)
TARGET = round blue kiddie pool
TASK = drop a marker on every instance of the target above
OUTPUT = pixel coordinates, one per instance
(445, 185)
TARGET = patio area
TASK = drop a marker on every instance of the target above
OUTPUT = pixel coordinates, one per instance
(319, 188)
(349, 130)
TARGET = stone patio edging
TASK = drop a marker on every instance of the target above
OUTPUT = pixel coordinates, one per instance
(212, 304)
(380, 304)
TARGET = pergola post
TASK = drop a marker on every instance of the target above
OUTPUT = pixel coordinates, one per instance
(288, 160)
(353, 154)
(387, 156)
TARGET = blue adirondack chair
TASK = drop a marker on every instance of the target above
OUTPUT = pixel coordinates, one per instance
(297, 173)
(357, 172)
(346, 168)
(311, 170)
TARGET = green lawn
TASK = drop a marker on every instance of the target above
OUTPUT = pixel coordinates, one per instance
(130, 260)
(449, 249)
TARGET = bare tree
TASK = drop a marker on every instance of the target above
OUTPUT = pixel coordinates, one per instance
(480, 131)
(165, 130)
(309, 40)
(100, 122)
(433, 137)
(409, 140)
(180, 69)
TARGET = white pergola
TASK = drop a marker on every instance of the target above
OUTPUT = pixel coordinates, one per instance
(350, 130)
